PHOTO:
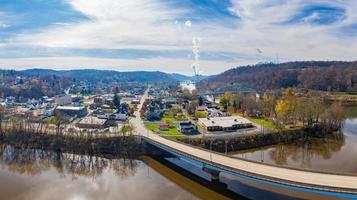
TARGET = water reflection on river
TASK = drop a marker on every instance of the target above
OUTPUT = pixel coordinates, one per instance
(317, 154)
(37, 174)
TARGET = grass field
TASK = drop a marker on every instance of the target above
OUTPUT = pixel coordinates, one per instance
(86, 103)
(267, 123)
(154, 127)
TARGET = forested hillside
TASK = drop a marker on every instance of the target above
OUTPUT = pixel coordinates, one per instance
(317, 75)
(35, 83)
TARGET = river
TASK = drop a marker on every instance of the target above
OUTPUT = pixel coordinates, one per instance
(39, 174)
(315, 154)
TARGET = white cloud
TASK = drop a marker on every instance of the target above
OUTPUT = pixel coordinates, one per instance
(156, 25)
(3, 21)
(3, 25)
(140, 24)
(262, 26)
(188, 24)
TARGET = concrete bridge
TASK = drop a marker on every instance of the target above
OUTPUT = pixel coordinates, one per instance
(303, 184)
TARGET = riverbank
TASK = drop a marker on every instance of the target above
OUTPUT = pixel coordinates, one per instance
(84, 144)
(328, 155)
(260, 140)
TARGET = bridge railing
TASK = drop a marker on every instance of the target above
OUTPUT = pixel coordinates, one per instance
(234, 171)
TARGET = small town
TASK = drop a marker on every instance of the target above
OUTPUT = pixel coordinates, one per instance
(164, 113)
(179, 99)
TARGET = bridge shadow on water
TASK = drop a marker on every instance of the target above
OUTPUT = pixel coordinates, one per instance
(205, 183)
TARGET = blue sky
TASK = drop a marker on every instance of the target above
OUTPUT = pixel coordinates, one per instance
(158, 34)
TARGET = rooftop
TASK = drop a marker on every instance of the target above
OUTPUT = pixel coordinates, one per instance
(70, 108)
(92, 120)
(224, 121)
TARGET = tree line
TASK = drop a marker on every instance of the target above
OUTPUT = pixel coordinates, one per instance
(326, 76)
(288, 107)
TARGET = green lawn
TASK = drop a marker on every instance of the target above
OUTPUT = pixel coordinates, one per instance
(267, 123)
(86, 103)
(200, 114)
(156, 128)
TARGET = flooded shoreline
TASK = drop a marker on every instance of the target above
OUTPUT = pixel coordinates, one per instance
(41, 174)
(327, 155)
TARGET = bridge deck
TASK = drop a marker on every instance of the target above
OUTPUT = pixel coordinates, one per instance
(332, 182)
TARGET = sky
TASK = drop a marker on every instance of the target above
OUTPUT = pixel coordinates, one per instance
(173, 35)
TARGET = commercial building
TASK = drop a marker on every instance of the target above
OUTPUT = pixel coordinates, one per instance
(71, 111)
(226, 124)
(92, 123)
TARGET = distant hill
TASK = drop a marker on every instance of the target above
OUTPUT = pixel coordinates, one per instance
(317, 75)
(92, 75)
(182, 78)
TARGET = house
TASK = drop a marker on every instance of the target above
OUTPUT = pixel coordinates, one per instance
(98, 101)
(9, 100)
(135, 101)
(226, 124)
(114, 116)
(48, 100)
(76, 98)
(92, 123)
(154, 115)
(201, 108)
(71, 111)
(170, 101)
(213, 112)
(109, 102)
(64, 100)
(164, 127)
(187, 128)
(33, 104)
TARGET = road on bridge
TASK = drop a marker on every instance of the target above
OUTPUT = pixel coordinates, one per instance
(302, 178)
